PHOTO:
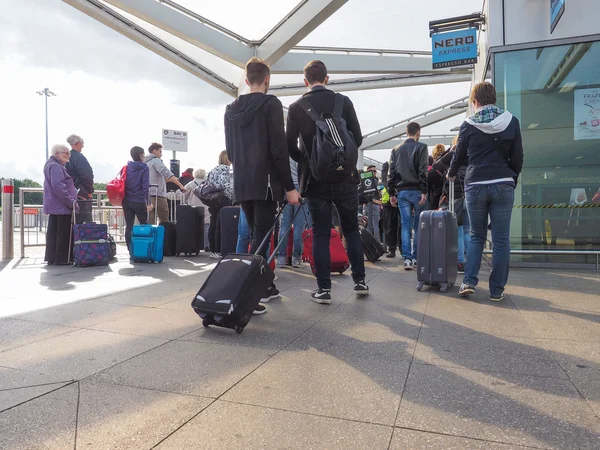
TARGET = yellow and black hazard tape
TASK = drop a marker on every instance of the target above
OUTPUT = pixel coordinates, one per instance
(555, 206)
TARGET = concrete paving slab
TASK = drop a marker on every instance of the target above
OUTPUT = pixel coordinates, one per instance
(152, 322)
(13, 397)
(419, 440)
(182, 304)
(188, 368)
(508, 408)
(266, 332)
(66, 284)
(317, 382)
(15, 333)
(295, 304)
(405, 321)
(452, 313)
(121, 417)
(263, 428)
(479, 351)
(575, 355)
(15, 379)
(365, 340)
(47, 422)
(555, 283)
(79, 314)
(155, 295)
(555, 322)
(77, 354)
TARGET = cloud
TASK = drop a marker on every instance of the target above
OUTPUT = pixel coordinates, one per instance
(52, 34)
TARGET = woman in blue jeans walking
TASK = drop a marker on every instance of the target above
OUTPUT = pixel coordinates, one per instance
(489, 143)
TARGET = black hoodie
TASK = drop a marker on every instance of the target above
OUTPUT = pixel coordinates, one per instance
(256, 146)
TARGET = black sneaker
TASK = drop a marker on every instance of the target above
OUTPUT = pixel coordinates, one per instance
(461, 267)
(260, 309)
(497, 298)
(361, 288)
(321, 296)
(391, 254)
(466, 290)
(272, 294)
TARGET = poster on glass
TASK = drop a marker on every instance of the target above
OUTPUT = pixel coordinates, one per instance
(587, 114)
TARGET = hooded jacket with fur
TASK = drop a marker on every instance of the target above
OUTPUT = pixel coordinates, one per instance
(490, 145)
(256, 147)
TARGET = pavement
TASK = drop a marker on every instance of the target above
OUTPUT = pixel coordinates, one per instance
(114, 357)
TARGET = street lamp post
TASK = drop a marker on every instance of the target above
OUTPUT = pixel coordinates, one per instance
(46, 93)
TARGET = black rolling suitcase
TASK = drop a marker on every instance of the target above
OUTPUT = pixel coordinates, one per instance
(437, 251)
(189, 230)
(229, 218)
(372, 247)
(235, 286)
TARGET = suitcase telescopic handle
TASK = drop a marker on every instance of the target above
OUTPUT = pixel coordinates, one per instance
(451, 195)
(268, 236)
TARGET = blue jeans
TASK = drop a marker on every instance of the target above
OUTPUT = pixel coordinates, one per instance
(497, 201)
(464, 236)
(407, 201)
(243, 234)
(299, 225)
(373, 221)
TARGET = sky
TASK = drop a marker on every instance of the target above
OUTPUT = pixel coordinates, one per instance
(116, 94)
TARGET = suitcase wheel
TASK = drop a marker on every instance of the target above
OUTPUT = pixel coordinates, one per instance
(238, 329)
(420, 286)
(206, 321)
(443, 288)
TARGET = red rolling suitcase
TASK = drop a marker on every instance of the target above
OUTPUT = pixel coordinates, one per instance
(338, 255)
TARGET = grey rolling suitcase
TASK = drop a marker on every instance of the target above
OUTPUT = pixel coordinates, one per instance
(437, 250)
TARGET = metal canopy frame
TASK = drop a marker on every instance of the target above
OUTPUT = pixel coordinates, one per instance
(279, 47)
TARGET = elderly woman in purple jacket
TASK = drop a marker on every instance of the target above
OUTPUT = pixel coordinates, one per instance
(60, 196)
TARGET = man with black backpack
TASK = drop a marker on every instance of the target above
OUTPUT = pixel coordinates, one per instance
(330, 135)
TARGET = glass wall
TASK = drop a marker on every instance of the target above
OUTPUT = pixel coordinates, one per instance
(555, 94)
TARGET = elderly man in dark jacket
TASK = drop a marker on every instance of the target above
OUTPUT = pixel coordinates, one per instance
(255, 144)
(83, 176)
(60, 197)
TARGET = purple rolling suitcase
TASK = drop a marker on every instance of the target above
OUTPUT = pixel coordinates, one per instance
(92, 247)
(437, 250)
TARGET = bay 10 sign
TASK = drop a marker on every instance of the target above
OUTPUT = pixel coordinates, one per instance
(454, 48)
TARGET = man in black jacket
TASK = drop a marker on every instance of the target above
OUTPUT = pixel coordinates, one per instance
(83, 177)
(408, 178)
(321, 196)
(255, 143)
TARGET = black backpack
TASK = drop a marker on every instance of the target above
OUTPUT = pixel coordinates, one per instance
(334, 152)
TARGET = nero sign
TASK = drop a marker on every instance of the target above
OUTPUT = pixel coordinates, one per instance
(455, 48)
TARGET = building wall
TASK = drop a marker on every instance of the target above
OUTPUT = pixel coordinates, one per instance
(529, 21)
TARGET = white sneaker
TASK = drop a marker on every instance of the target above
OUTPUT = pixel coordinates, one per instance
(408, 264)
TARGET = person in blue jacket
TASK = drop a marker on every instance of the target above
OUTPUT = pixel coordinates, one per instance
(136, 202)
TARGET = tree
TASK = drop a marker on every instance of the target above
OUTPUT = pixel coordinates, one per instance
(30, 198)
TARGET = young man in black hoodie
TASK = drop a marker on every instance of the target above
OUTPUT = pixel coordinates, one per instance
(322, 196)
(256, 147)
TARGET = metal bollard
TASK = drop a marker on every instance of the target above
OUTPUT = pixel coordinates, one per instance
(8, 235)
